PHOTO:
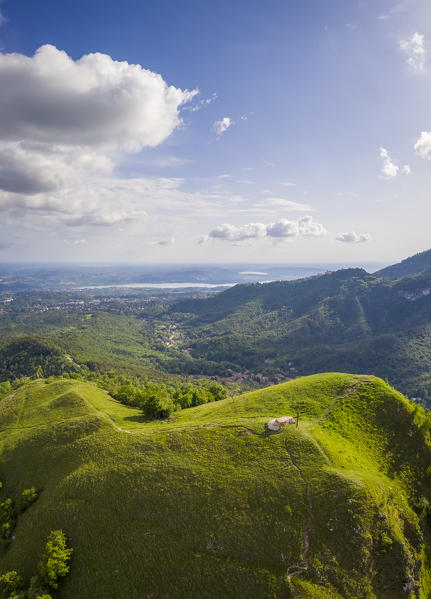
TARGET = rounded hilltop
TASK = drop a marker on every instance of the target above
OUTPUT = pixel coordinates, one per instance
(208, 503)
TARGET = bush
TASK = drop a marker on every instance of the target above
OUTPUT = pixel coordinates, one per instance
(158, 406)
(385, 543)
(28, 496)
(54, 562)
(7, 518)
(10, 584)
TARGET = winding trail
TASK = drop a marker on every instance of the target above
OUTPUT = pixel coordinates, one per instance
(302, 566)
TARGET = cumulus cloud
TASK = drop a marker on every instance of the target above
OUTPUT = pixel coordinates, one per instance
(65, 126)
(103, 201)
(31, 167)
(389, 170)
(91, 101)
(282, 229)
(219, 127)
(415, 50)
(353, 237)
(423, 145)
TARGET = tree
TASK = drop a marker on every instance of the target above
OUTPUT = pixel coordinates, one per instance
(218, 391)
(55, 560)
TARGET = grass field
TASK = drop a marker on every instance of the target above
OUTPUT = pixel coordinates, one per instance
(209, 504)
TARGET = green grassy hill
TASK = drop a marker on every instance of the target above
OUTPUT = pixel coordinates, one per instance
(208, 504)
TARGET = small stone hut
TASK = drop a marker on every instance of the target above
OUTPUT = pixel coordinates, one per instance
(277, 423)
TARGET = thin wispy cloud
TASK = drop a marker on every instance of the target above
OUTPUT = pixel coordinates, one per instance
(389, 169)
(220, 127)
(284, 204)
(415, 50)
(199, 104)
(2, 17)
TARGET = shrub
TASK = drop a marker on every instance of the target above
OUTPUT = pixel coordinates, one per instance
(54, 562)
(7, 518)
(10, 584)
(158, 406)
(385, 543)
(28, 496)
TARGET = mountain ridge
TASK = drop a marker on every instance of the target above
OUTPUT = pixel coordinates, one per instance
(413, 265)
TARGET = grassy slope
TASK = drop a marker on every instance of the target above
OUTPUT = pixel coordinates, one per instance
(210, 505)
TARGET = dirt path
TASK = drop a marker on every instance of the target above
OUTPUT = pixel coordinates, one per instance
(302, 566)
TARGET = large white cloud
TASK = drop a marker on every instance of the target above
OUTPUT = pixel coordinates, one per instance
(281, 229)
(91, 101)
(64, 125)
(415, 50)
(30, 167)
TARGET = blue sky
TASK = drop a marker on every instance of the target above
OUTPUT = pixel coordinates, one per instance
(305, 138)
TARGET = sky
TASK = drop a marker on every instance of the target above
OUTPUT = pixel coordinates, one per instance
(183, 131)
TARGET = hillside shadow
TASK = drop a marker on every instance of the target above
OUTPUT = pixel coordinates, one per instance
(138, 418)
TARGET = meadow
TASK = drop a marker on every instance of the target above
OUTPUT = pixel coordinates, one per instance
(209, 504)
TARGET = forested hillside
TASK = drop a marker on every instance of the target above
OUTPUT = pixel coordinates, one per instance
(346, 320)
(413, 265)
